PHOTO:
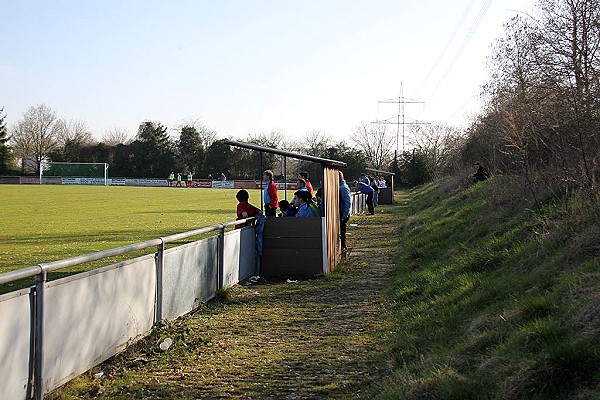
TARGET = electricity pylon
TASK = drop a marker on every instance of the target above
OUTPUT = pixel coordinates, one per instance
(401, 101)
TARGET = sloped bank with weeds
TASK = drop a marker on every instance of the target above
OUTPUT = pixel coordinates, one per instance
(496, 296)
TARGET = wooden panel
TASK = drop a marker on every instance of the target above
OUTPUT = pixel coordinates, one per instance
(292, 247)
(292, 262)
(385, 196)
(331, 196)
(297, 242)
(289, 227)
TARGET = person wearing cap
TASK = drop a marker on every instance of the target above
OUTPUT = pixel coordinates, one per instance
(270, 197)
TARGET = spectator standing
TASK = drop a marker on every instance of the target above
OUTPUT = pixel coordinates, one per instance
(245, 209)
(309, 186)
(210, 177)
(270, 197)
(364, 186)
(375, 186)
(345, 205)
(301, 185)
(223, 177)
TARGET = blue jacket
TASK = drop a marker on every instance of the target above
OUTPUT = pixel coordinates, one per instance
(305, 211)
(344, 200)
(364, 187)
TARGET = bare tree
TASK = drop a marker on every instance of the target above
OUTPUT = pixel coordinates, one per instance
(116, 136)
(546, 88)
(568, 47)
(438, 141)
(273, 138)
(316, 142)
(376, 142)
(75, 131)
(36, 134)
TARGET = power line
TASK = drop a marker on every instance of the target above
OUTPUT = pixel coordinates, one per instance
(476, 22)
(450, 39)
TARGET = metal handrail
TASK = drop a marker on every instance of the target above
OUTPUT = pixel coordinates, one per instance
(28, 272)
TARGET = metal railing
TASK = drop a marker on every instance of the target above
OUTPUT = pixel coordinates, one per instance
(41, 270)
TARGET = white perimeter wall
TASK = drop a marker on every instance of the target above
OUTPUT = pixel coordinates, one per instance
(15, 338)
(92, 316)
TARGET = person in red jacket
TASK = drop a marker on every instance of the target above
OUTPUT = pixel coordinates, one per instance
(245, 209)
(309, 186)
(270, 194)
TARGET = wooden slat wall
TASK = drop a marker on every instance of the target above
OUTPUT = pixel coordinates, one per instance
(331, 197)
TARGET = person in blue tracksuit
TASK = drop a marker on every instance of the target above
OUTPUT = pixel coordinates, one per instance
(364, 186)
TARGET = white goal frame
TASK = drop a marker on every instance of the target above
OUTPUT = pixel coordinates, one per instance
(45, 164)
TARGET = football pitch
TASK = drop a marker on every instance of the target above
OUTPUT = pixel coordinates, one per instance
(43, 223)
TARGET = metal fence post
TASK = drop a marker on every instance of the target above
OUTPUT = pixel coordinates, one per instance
(221, 257)
(38, 372)
(160, 263)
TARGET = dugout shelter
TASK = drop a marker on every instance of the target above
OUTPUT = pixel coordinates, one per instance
(301, 246)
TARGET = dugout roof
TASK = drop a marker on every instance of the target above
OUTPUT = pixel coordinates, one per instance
(380, 171)
(305, 157)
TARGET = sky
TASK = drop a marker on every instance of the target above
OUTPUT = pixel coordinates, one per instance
(249, 66)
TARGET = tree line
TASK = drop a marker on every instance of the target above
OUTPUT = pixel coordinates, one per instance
(540, 121)
(153, 153)
(40, 135)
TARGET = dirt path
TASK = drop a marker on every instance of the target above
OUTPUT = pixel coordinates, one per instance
(316, 339)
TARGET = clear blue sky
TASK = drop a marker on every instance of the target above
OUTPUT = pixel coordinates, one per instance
(247, 66)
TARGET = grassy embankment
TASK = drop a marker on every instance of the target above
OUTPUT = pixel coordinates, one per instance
(495, 298)
(50, 222)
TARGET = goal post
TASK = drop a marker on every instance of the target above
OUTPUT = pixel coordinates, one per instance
(76, 173)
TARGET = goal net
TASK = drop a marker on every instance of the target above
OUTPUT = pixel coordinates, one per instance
(76, 173)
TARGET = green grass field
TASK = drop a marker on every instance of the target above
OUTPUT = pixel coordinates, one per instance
(48, 222)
